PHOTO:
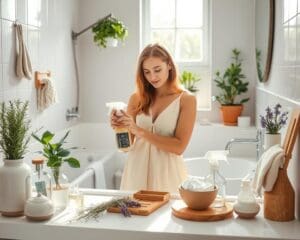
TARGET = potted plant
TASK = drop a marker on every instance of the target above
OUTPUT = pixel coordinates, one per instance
(189, 80)
(56, 155)
(108, 32)
(232, 85)
(14, 174)
(273, 121)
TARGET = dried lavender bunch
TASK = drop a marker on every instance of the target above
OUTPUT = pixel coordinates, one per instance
(274, 120)
(122, 203)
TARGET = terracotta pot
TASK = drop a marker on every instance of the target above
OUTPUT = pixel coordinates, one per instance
(231, 113)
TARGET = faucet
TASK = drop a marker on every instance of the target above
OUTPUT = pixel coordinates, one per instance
(257, 141)
(72, 113)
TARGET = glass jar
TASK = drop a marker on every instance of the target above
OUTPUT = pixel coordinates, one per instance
(76, 199)
(60, 188)
(41, 180)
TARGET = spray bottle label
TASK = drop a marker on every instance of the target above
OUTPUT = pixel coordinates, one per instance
(123, 139)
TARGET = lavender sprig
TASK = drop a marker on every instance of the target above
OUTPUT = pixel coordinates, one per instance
(273, 121)
(95, 211)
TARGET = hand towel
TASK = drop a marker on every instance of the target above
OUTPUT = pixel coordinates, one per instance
(23, 63)
(267, 169)
(46, 94)
(98, 169)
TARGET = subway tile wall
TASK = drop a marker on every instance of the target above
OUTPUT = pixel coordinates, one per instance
(283, 85)
(47, 26)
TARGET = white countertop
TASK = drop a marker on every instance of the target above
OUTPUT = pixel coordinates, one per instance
(161, 224)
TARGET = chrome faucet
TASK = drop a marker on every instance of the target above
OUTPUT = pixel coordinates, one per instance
(72, 113)
(257, 141)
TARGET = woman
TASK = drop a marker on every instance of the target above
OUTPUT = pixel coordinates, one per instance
(161, 117)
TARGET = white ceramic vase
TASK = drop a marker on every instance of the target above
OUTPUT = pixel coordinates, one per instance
(271, 140)
(15, 187)
(111, 42)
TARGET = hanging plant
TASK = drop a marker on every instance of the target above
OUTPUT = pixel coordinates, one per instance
(109, 28)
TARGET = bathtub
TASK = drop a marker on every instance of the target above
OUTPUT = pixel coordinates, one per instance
(234, 170)
(96, 144)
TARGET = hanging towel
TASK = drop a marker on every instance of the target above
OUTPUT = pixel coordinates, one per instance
(23, 64)
(267, 169)
(98, 169)
(46, 94)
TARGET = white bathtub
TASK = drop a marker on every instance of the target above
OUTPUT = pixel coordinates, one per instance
(97, 143)
(234, 170)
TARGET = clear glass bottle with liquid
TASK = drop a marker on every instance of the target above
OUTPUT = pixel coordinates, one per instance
(41, 180)
(216, 178)
(76, 198)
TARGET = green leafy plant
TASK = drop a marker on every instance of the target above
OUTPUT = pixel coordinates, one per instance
(55, 154)
(258, 65)
(188, 80)
(14, 126)
(231, 82)
(109, 27)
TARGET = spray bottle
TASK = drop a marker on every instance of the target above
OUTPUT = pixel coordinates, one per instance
(215, 176)
(123, 136)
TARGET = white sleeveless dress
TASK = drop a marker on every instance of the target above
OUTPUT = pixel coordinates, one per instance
(149, 167)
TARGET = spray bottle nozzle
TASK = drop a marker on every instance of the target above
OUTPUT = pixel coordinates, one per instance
(116, 106)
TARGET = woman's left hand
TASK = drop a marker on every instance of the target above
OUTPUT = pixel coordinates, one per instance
(128, 121)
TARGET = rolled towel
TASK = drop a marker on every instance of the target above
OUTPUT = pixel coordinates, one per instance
(46, 94)
(267, 169)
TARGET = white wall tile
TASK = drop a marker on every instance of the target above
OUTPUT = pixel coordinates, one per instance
(21, 11)
(34, 12)
(283, 85)
(1, 56)
(8, 9)
(8, 41)
(298, 39)
(1, 80)
(33, 44)
(52, 52)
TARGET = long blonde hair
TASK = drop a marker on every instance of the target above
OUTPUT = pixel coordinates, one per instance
(145, 91)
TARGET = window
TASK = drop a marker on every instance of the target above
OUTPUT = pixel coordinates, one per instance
(182, 26)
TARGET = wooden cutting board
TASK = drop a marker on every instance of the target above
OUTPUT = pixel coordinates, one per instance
(180, 210)
(149, 200)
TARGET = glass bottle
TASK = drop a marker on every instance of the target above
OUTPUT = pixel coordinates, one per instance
(60, 188)
(219, 181)
(76, 198)
(41, 180)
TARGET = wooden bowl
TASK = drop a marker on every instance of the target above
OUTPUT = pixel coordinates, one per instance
(198, 200)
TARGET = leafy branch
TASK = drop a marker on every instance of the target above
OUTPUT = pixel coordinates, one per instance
(14, 127)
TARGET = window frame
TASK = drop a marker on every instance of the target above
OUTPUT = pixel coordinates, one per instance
(146, 34)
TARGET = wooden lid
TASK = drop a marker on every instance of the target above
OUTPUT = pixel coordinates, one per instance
(38, 160)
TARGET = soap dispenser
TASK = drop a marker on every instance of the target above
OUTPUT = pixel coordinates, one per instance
(246, 205)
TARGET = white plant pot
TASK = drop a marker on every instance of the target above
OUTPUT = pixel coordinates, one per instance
(15, 187)
(271, 140)
(111, 42)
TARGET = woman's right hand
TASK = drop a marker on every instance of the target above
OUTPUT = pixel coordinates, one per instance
(115, 119)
